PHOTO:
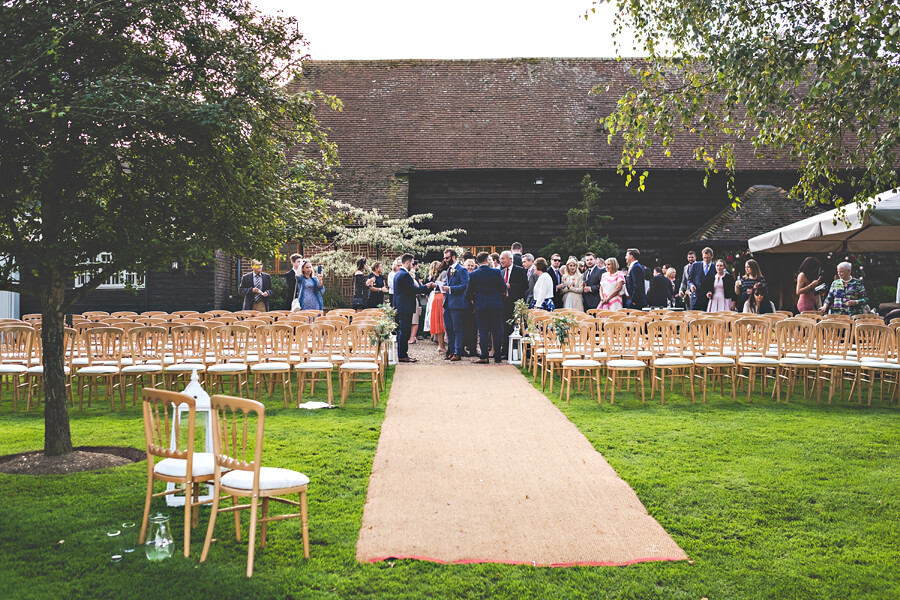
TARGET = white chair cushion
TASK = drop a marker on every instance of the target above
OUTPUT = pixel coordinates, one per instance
(359, 366)
(575, 363)
(15, 369)
(39, 370)
(850, 364)
(798, 362)
(204, 464)
(555, 355)
(713, 360)
(98, 370)
(673, 362)
(227, 368)
(271, 366)
(314, 366)
(871, 364)
(80, 362)
(142, 369)
(625, 363)
(757, 361)
(368, 358)
(270, 478)
(186, 368)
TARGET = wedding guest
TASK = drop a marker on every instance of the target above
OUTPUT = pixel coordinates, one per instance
(518, 257)
(635, 291)
(360, 287)
(495, 260)
(808, 278)
(405, 292)
(573, 280)
(290, 279)
(256, 287)
(661, 294)
(759, 302)
(701, 274)
(390, 277)
(543, 287)
(528, 265)
(671, 273)
(684, 287)
(612, 282)
(434, 315)
(847, 295)
(377, 286)
(743, 286)
(470, 330)
(309, 289)
(719, 289)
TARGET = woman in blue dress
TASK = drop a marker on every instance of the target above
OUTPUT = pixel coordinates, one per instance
(309, 289)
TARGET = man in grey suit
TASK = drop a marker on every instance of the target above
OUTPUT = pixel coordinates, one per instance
(685, 287)
(592, 275)
(528, 265)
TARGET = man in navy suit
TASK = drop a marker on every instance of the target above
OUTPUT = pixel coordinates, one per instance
(455, 304)
(516, 282)
(700, 272)
(592, 275)
(405, 291)
(634, 281)
(553, 271)
(486, 287)
(517, 257)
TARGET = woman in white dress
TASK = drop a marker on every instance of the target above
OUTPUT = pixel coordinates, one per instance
(720, 289)
(574, 282)
(543, 287)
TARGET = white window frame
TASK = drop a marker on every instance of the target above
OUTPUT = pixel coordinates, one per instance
(117, 281)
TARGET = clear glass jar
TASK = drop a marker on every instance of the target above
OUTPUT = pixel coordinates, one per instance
(159, 545)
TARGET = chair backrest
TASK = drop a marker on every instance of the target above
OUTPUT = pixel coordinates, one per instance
(190, 343)
(708, 336)
(31, 317)
(150, 321)
(273, 342)
(833, 337)
(321, 340)
(153, 313)
(795, 337)
(224, 320)
(230, 343)
(147, 343)
(124, 313)
(104, 345)
(162, 415)
(93, 314)
(238, 427)
(752, 336)
(667, 338)
(873, 340)
(342, 312)
(867, 317)
(358, 342)
(15, 344)
(217, 313)
(621, 339)
(580, 341)
(186, 313)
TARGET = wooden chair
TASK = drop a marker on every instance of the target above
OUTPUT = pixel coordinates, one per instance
(178, 464)
(873, 348)
(795, 346)
(15, 357)
(35, 373)
(32, 318)
(190, 347)
(238, 427)
(230, 344)
(104, 346)
(186, 313)
(360, 355)
(753, 337)
(666, 341)
(578, 364)
(314, 344)
(621, 342)
(147, 349)
(833, 340)
(153, 313)
(708, 337)
(273, 347)
(124, 313)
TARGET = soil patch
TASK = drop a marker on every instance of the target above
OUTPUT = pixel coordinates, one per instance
(82, 458)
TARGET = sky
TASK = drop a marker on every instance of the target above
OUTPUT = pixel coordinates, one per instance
(396, 29)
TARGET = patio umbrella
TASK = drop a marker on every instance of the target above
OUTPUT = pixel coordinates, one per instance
(875, 231)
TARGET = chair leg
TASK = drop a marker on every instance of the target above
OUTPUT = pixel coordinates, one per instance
(189, 490)
(303, 520)
(147, 502)
(264, 525)
(209, 528)
(330, 392)
(254, 504)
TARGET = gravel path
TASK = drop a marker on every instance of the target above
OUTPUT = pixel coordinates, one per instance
(427, 353)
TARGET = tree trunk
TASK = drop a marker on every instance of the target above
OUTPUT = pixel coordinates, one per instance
(57, 435)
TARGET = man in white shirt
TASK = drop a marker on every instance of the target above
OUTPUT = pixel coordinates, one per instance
(592, 276)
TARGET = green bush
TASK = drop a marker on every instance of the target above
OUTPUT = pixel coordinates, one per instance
(333, 299)
(279, 289)
(880, 294)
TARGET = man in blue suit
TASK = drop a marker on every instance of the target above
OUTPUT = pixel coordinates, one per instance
(634, 281)
(455, 305)
(405, 291)
(699, 273)
(486, 287)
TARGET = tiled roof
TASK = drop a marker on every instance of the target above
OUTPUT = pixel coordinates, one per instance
(763, 208)
(485, 114)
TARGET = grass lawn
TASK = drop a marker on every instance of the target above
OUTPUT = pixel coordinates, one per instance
(769, 500)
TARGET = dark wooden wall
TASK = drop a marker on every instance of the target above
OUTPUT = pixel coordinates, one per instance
(498, 207)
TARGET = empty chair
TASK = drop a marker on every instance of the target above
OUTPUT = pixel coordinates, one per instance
(666, 340)
(35, 373)
(833, 339)
(190, 347)
(147, 349)
(238, 428)
(104, 347)
(753, 337)
(873, 348)
(15, 356)
(230, 344)
(163, 413)
(314, 344)
(273, 348)
(795, 346)
(360, 354)
(708, 347)
(621, 341)
(578, 364)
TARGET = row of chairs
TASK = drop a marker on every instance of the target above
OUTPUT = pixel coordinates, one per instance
(712, 349)
(98, 354)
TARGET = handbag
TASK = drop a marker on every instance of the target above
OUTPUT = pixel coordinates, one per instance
(295, 305)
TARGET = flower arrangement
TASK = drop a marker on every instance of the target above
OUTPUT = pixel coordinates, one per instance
(385, 325)
(520, 315)
(562, 324)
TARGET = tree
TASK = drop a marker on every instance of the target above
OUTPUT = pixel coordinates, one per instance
(368, 226)
(584, 224)
(154, 130)
(816, 82)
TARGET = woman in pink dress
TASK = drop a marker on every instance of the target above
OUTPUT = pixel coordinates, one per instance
(808, 278)
(720, 289)
(611, 284)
